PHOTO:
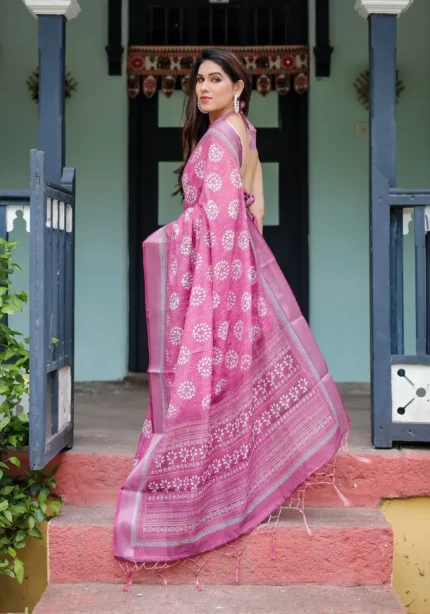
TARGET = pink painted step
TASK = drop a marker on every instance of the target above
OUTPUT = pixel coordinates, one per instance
(95, 479)
(349, 546)
(304, 599)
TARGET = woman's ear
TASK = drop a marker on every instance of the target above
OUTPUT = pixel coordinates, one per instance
(239, 87)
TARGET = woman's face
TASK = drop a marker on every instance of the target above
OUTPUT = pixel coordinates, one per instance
(215, 90)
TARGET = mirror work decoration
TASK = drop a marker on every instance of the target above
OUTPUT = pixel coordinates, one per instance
(282, 68)
(362, 88)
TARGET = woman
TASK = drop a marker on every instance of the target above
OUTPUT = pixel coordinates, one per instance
(242, 408)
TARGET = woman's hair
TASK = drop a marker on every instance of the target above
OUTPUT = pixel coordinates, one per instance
(197, 123)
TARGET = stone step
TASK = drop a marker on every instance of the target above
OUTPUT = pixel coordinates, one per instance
(95, 479)
(348, 546)
(304, 599)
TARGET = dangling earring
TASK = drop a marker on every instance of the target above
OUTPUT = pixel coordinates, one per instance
(200, 109)
(236, 103)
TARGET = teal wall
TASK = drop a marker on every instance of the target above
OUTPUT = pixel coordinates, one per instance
(96, 120)
(339, 253)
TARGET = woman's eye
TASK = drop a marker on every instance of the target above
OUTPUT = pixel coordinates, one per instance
(216, 79)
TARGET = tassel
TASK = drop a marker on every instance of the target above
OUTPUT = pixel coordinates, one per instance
(273, 547)
(308, 531)
(129, 584)
(198, 587)
(237, 579)
(342, 497)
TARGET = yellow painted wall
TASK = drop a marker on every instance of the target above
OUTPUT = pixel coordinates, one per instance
(16, 597)
(410, 519)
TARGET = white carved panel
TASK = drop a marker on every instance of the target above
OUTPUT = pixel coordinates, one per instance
(408, 215)
(12, 212)
(381, 7)
(64, 397)
(55, 217)
(410, 392)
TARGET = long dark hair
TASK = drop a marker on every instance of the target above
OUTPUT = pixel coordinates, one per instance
(197, 123)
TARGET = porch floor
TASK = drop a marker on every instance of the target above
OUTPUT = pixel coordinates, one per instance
(109, 417)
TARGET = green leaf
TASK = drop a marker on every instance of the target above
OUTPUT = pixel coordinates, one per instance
(22, 417)
(18, 568)
(9, 572)
(35, 533)
(6, 490)
(4, 505)
(31, 522)
(8, 515)
(15, 461)
(8, 309)
(20, 535)
(11, 552)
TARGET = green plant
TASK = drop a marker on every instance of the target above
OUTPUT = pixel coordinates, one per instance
(25, 497)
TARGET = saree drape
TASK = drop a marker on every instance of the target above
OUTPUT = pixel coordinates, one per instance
(242, 407)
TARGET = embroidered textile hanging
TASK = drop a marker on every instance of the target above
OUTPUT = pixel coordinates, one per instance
(279, 67)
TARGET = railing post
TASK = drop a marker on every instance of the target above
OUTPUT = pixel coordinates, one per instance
(52, 16)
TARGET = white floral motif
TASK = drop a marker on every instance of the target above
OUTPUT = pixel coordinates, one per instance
(198, 295)
(174, 301)
(211, 210)
(176, 335)
(190, 194)
(245, 363)
(246, 301)
(252, 275)
(209, 273)
(200, 169)
(171, 411)
(204, 366)
(201, 332)
(186, 390)
(209, 238)
(215, 153)
(214, 182)
(231, 359)
(227, 240)
(196, 260)
(175, 230)
(221, 270)
(261, 307)
(233, 208)
(238, 330)
(243, 240)
(184, 355)
(196, 154)
(231, 300)
(197, 227)
(173, 268)
(187, 280)
(303, 384)
(220, 386)
(216, 300)
(236, 270)
(206, 401)
(188, 214)
(147, 428)
(254, 333)
(184, 179)
(186, 246)
(217, 356)
(222, 331)
(235, 178)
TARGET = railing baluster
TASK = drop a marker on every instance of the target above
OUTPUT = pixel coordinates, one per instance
(427, 289)
(48, 284)
(396, 275)
(420, 281)
(62, 280)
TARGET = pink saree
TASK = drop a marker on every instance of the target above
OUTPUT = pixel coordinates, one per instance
(242, 407)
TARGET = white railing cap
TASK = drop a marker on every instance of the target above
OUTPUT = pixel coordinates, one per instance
(69, 8)
(381, 7)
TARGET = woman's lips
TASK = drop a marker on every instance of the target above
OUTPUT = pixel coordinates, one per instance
(205, 99)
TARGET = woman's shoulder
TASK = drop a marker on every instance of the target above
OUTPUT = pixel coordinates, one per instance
(236, 122)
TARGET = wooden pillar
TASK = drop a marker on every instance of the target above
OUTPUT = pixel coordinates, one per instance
(386, 241)
(52, 16)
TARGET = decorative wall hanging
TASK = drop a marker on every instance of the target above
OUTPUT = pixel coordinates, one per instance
(362, 88)
(70, 85)
(277, 67)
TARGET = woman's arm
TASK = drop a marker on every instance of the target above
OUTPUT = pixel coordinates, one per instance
(257, 189)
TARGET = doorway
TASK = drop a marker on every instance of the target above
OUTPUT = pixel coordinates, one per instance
(155, 137)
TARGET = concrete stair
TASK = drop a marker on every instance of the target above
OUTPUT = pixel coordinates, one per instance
(303, 599)
(344, 567)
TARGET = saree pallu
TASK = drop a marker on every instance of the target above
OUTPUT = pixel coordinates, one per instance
(242, 407)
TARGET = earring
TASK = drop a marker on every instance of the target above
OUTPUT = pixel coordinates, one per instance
(236, 103)
(200, 109)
